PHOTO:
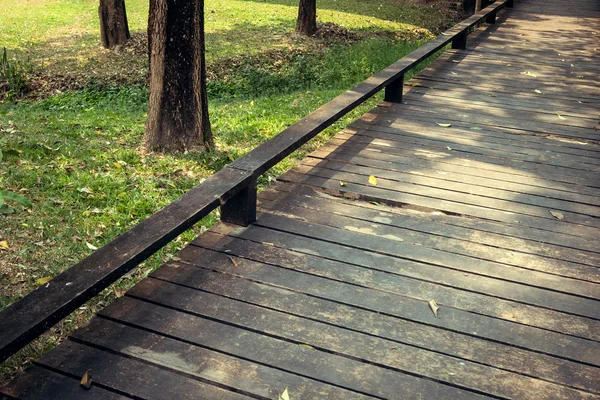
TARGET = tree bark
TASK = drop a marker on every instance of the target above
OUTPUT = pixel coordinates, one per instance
(178, 104)
(477, 6)
(307, 18)
(114, 29)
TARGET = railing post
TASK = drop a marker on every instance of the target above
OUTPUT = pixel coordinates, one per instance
(241, 208)
(460, 41)
(491, 18)
(509, 4)
(393, 91)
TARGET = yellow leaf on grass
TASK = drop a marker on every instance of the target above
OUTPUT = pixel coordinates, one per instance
(372, 180)
(4, 245)
(444, 125)
(44, 280)
(116, 164)
(91, 246)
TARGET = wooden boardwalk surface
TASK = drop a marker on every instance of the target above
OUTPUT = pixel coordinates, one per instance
(495, 218)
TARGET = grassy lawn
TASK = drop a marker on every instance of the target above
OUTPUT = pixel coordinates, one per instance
(78, 155)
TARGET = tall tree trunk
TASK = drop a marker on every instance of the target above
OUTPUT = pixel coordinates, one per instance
(114, 29)
(307, 18)
(477, 6)
(178, 105)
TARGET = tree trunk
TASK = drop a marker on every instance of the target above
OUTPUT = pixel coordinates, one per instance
(307, 18)
(178, 105)
(477, 6)
(114, 29)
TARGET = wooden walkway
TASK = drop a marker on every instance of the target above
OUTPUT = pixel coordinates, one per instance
(332, 292)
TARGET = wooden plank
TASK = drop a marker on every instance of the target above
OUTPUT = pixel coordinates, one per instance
(270, 344)
(38, 383)
(521, 202)
(389, 192)
(368, 349)
(419, 231)
(426, 135)
(161, 367)
(420, 123)
(169, 377)
(28, 318)
(339, 148)
(405, 308)
(419, 335)
(488, 163)
(411, 166)
(494, 307)
(426, 223)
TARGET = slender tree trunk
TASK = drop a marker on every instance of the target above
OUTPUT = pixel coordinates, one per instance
(477, 6)
(114, 29)
(178, 105)
(307, 18)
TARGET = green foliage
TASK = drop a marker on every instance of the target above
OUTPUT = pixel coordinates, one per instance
(14, 74)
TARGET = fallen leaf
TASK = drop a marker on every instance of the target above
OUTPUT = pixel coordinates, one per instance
(434, 307)
(343, 183)
(372, 180)
(453, 73)
(44, 280)
(4, 245)
(528, 73)
(538, 91)
(91, 246)
(449, 148)
(455, 61)
(444, 125)
(116, 164)
(509, 65)
(85, 190)
(374, 203)
(285, 395)
(557, 215)
(308, 346)
(560, 116)
(86, 380)
(475, 128)
(233, 261)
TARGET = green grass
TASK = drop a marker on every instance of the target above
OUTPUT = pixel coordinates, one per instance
(79, 160)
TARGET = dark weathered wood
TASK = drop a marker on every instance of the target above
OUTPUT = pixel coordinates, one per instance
(351, 294)
(491, 18)
(393, 91)
(160, 367)
(38, 383)
(419, 335)
(241, 336)
(35, 313)
(460, 41)
(445, 226)
(241, 208)
(374, 350)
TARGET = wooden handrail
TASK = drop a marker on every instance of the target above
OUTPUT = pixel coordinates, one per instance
(233, 188)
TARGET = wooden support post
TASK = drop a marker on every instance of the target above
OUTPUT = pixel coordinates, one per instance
(509, 4)
(393, 91)
(460, 41)
(491, 18)
(241, 208)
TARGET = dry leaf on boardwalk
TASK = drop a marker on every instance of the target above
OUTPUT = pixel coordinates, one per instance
(434, 307)
(233, 261)
(86, 380)
(557, 215)
(372, 180)
(285, 395)
(444, 125)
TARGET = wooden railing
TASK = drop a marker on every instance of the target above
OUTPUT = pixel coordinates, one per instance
(233, 189)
